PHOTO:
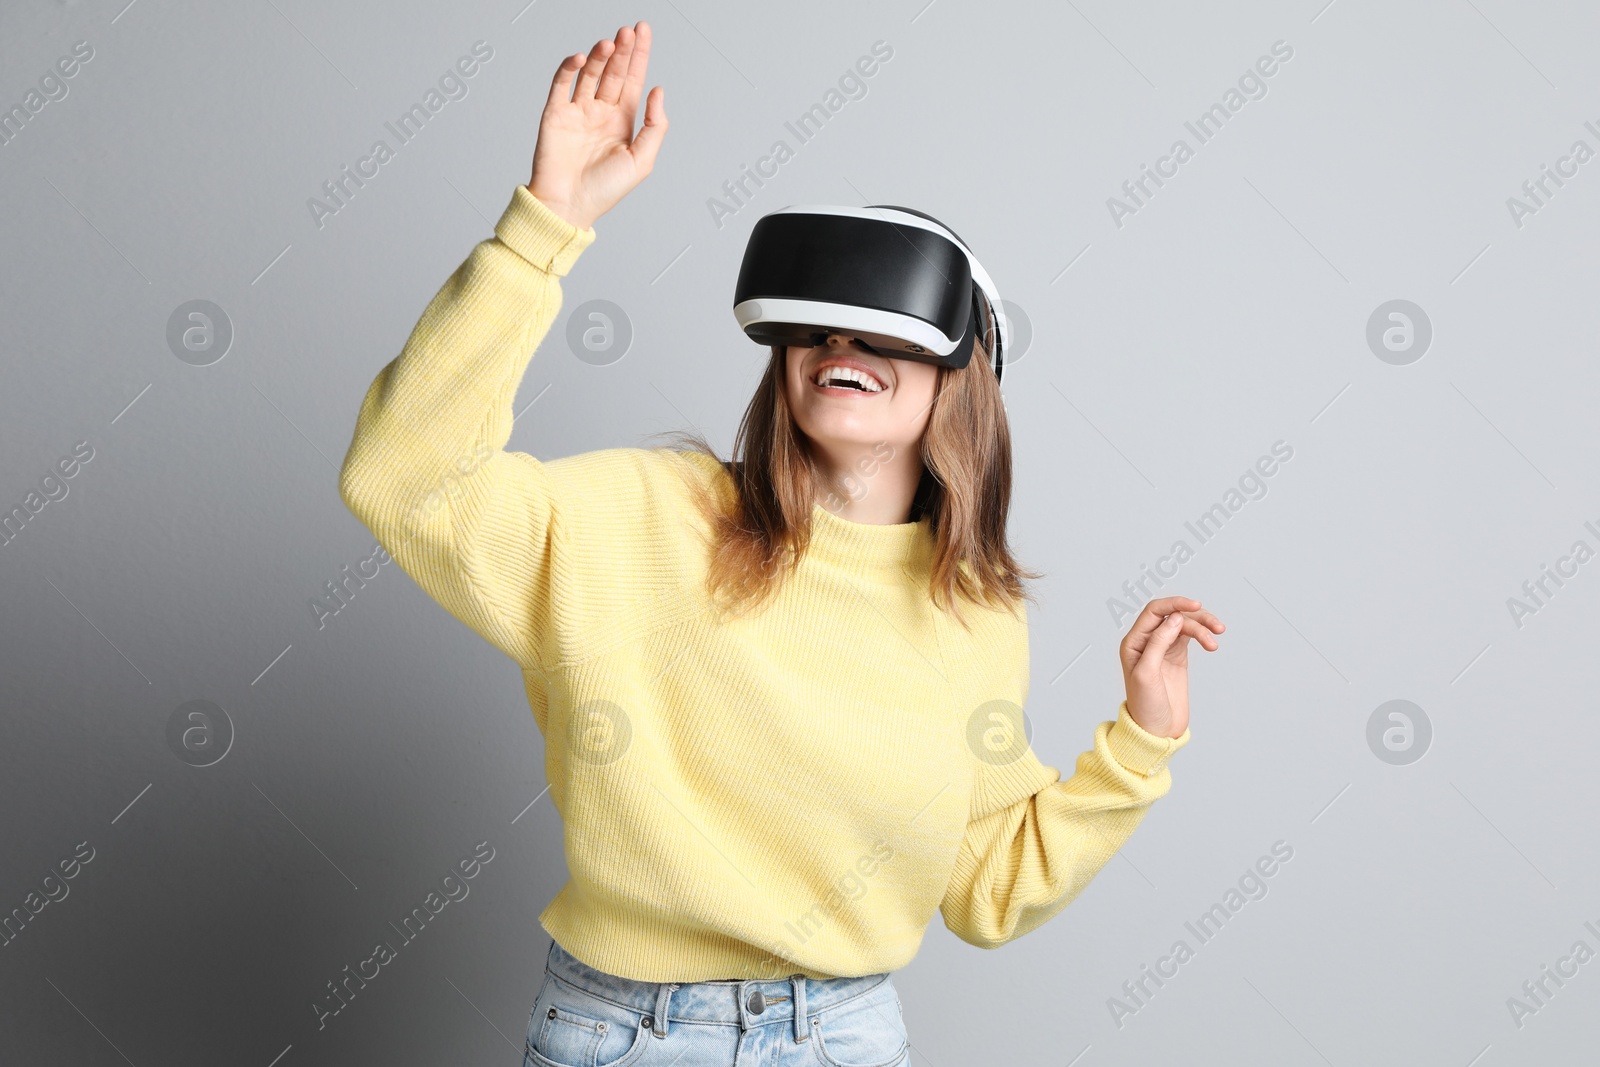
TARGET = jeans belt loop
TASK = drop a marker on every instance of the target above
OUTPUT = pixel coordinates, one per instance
(802, 1032)
(663, 998)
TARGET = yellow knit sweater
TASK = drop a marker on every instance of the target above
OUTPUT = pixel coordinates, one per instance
(796, 791)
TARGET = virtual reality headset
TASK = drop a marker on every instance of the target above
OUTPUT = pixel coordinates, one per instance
(897, 280)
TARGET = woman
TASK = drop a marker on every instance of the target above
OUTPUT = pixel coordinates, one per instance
(779, 737)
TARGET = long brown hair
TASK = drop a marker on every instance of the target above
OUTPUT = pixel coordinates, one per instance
(760, 534)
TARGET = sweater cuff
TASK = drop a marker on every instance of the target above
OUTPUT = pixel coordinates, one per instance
(1139, 750)
(540, 236)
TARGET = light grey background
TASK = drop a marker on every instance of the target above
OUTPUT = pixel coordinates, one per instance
(1168, 354)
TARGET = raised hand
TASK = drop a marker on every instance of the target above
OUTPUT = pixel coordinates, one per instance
(587, 157)
(1155, 662)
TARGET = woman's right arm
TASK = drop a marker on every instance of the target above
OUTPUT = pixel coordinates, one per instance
(427, 470)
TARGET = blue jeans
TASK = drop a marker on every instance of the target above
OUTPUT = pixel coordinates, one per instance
(583, 1017)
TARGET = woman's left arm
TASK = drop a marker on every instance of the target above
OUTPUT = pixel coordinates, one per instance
(1025, 858)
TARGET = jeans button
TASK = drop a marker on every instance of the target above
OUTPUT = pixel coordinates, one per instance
(757, 1003)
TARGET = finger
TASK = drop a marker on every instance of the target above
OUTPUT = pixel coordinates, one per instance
(561, 84)
(1206, 619)
(616, 67)
(648, 142)
(633, 84)
(1161, 640)
(1136, 646)
(589, 77)
(1201, 633)
(1157, 610)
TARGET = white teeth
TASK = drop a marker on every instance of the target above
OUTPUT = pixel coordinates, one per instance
(851, 374)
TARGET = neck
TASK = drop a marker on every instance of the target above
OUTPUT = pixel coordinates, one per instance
(869, 484)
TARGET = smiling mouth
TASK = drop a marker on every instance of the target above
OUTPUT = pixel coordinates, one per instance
(846, 384)
(847, 378)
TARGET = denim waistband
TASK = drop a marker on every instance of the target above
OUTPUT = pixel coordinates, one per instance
(744, 1002)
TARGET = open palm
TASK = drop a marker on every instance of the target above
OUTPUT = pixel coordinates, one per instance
(587, 157)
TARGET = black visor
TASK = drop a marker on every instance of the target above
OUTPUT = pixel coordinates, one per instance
(897, 280)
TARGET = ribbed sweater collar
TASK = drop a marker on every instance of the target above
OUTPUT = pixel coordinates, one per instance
(868, 547)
